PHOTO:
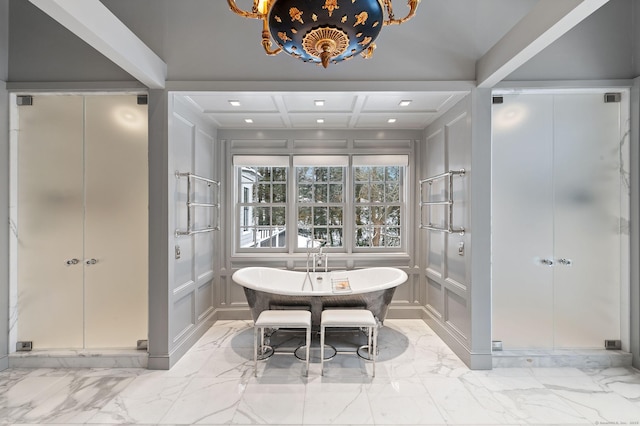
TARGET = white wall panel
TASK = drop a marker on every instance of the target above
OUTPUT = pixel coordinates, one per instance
(457, 315)
(192, 144)
(447, 147)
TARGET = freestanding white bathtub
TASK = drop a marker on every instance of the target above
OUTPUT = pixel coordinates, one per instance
(271, 288)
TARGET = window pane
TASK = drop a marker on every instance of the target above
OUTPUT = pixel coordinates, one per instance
(392, 174)
(280, 174)
(378, 215)
(335, 237)
(336, 174)
(304, 217)
(305, 193)
(320, 233)
(279, 216)
(263, 216)
(319, 216)
(377, 192)
(335, 193)
(361, 174)
(393, 215)
(279, 193)
(263, 193)
(363, 215)
(321, 174)
(363, 237)
(391, 237)
(320, 193)
(264, 174)
(305, 174)
(392, 193)
(377, 173)
(335, 215)
(362, 192)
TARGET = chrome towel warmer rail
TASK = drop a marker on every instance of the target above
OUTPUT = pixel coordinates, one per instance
(448, 228)
(191, 204)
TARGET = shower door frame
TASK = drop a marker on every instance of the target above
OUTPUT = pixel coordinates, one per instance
(14, 125)
(625, 192)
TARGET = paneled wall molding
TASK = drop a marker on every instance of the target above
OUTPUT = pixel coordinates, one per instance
(447, 258)
(191, 286)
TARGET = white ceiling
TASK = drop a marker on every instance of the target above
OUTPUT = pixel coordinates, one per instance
(341, 110)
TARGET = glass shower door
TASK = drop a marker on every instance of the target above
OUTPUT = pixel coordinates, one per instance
(556, 208)
(116, 221)
(50, 220)
(82, 222)
(587, 199)
(522, 222)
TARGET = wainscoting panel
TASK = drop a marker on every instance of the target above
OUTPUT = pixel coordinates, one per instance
(447, 147)
(456, 315)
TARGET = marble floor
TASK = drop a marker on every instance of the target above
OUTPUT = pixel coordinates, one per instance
(418, 381)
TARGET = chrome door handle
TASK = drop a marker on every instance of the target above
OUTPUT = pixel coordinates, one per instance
(565, 262)
(92, 261)
(547, 262)
(72, 262)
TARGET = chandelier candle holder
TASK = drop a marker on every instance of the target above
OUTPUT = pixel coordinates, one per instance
(323, 31)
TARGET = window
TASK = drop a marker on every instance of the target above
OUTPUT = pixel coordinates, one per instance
(262, 204)
(378, 200)
(352, 209)
(320, 184)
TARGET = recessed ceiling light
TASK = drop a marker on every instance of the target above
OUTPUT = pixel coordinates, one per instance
(391, 120)
(235, 103)
(405, 103)
(320, 120)
(248, 120)
(319, 102)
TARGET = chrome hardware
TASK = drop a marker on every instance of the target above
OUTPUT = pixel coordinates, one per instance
(448, 203)
(547, 262)
(92, 261)
(72, 262)
(565, 262)
(191, 179)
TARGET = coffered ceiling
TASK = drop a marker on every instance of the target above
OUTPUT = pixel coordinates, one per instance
(330, 110)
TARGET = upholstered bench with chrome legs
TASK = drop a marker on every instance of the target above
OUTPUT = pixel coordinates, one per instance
(280, 319)
(350, 318)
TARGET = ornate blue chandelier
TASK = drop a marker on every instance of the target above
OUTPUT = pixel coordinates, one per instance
(323, 31)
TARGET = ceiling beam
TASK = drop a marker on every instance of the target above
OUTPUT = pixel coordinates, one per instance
(96, 25)
(547, 21)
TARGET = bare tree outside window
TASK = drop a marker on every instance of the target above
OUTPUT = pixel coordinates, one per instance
(320, 202)
(378, 205)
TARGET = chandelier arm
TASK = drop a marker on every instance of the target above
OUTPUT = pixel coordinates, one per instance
(235, 9)
(266, 40)
(266, 44)
(413, 6)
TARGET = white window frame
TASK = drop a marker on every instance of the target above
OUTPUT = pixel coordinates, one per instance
(349, 162)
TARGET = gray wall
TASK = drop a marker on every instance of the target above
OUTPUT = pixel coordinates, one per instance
(458, 305)
(43, 50)
(231, 301)
(597, 48)
(181, 290)
(4, 185)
